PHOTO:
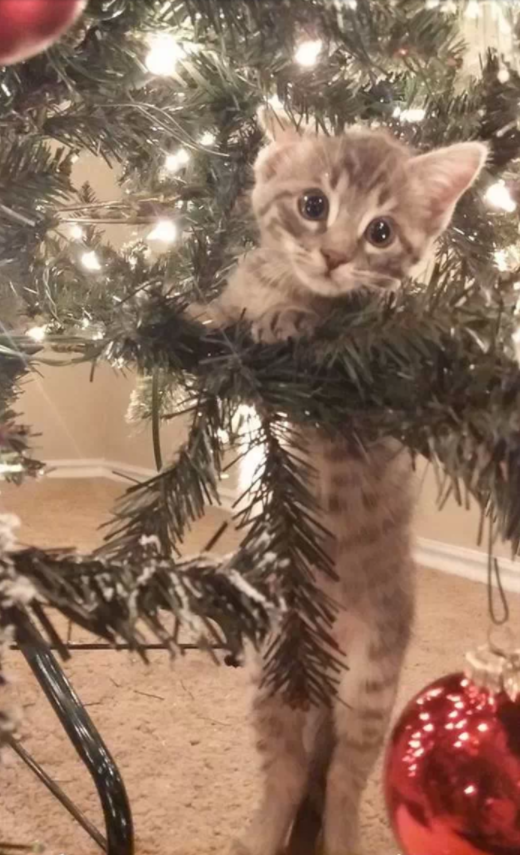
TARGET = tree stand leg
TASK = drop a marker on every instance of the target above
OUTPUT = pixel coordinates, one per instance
(84, 736)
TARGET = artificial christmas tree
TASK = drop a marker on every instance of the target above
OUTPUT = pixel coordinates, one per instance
(433, 367)
(170, 93)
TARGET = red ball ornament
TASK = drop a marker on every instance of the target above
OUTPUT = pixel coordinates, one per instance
(452, 777)
(28, 27)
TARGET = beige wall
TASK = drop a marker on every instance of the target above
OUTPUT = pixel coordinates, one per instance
(453, 524)
(80, 420)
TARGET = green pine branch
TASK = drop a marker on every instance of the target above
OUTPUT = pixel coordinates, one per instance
(165, 506)
(208, 596)
(302, 660)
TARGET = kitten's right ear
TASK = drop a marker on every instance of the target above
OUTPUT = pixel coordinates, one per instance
(443, 175)
(282, 133)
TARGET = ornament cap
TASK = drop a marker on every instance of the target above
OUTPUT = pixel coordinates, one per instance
(494, 669)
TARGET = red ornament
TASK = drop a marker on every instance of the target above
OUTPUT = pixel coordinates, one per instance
(452, 775)
(28, 27)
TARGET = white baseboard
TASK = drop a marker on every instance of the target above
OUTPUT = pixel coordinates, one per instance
(468, 563)
(435, 554)
(93, 467)
(114, 470)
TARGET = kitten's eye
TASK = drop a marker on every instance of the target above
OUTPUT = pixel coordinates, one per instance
(380, 232)
(313, 205)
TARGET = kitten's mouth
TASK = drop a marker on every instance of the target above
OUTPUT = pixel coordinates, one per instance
(354, 280)
(334, 283)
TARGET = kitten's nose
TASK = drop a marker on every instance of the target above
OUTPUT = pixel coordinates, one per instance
(334, 258)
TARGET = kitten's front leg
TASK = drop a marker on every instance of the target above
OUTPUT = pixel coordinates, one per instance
(284, 762)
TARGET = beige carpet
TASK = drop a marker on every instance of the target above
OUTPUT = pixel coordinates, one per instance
(179, 733)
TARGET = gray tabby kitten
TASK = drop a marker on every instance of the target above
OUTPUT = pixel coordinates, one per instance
(337, 213)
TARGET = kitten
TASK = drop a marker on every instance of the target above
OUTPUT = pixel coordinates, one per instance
(337, 213)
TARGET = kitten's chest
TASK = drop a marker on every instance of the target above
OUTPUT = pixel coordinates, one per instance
(351, 483)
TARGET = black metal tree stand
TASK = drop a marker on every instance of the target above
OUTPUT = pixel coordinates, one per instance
(83, 734)
(79, 727)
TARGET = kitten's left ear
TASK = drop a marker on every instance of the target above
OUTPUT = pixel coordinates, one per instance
(442, 176)
(282, 133)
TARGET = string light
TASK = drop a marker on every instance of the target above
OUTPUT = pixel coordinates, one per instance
(499, 196)
(207, 138)
(177, 160)
(449, 7)
(90, 261)
(503, 75)
(501, 260)
(507, 258)
(308, 52)
(413, 114)
(37, 333)
(165, 231)
(472, 9)
(275, 102)
(76, 232)
(164, 54)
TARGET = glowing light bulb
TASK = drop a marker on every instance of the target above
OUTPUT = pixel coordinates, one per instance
(165, 231)
(90, 261)
(164, 54)
(449, 7)
(308, 52)
(207, 138)
(76, 232)
(37, 333)
(472, 9)
(413, 114)
(275, 102)
(503, 75)
(85, 323)
(177, 160)
(499, 196)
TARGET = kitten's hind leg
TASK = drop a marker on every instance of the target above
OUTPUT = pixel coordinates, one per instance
(285, 768)
(362, 714)
(306, 833)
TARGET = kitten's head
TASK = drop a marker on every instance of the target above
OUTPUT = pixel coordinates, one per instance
(359, 209)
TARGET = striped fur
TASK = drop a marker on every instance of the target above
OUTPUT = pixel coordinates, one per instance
(316, 762)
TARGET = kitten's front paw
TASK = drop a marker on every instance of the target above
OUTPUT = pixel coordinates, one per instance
(282, 325)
